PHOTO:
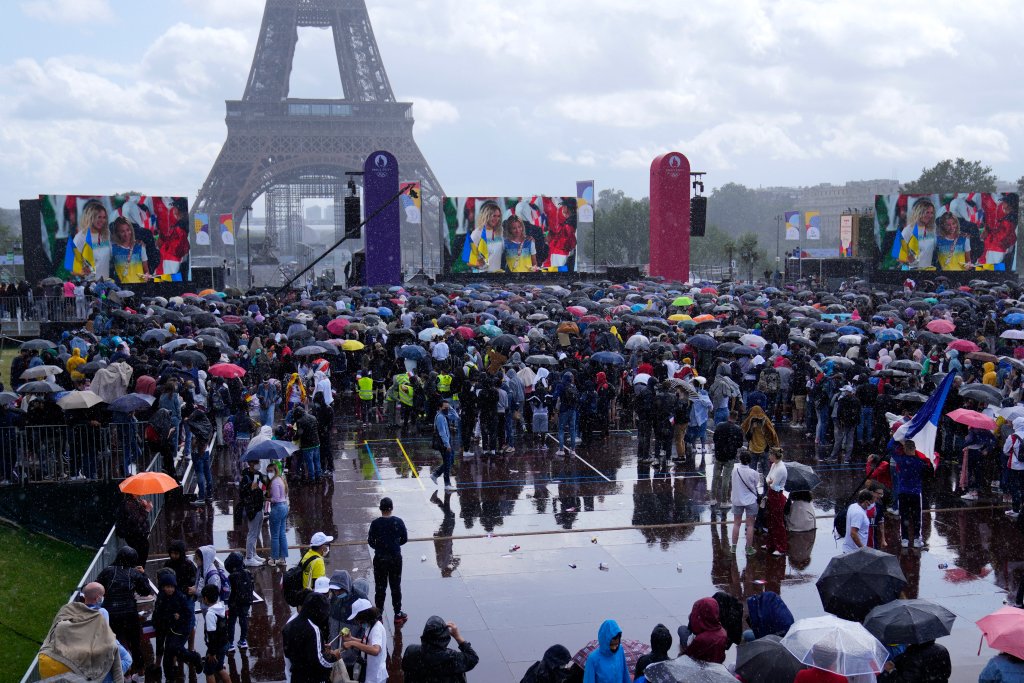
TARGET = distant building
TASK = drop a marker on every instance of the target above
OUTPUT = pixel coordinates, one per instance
(313, 214)
(834, 200)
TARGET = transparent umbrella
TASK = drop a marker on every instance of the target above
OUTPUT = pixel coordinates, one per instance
(686, 670)
(837, 645)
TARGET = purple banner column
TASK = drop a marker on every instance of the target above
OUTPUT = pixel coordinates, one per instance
(383, 234)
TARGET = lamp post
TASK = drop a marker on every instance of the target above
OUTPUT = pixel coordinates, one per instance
(248, 244)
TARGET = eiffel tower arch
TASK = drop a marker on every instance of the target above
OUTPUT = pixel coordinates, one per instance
(290, 149)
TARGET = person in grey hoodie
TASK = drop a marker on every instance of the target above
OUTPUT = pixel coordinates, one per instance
(210, 570)
(721, 393)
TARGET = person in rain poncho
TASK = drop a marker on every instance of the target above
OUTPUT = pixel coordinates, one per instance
(294, 392)
(761, 436)
(710, 640)
(323, 387)
(434, 662)
(607, 664)
(551, 668)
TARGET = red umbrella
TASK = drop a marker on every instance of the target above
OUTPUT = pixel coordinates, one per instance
(971, 418)
(963, 346)
(226, 370)
(1004, 630)
(337, 326)
(577, 311)
(465, 332)
(232, 319)
(709, 290)
(941, 326)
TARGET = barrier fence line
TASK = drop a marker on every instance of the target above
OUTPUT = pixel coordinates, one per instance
(412, 467)
(576, 455)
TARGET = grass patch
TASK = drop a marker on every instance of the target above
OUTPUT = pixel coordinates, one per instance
(37, 574)
(7, 354)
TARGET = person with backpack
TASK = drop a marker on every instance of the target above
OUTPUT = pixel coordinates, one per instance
(215, 633)
(568, 398)
(210, 572)
(643, 404)
(697, 430)
(306, 658)
(313, 561)
(847, 417)
(760, 434)
(240, 601)
(122, 581)
(909, 469)
(307, 433)
(173, 615)
(770, 384)
(664, 413)
(857, 523)
(131, 524)
(251, 487)
(728, 439)
(219, 400)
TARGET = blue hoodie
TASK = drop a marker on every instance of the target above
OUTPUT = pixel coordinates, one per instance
(603, 665)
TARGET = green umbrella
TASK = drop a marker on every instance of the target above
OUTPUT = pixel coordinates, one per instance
(682, 301)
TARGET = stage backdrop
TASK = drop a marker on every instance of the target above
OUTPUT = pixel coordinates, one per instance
(949, 231)
(480, 235)
(128, 238)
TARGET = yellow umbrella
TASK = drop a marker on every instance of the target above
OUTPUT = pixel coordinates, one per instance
(679, 317)
(352, 345)
(145, 483)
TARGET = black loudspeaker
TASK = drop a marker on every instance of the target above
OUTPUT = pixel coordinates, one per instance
(698, 216)
(353, 218)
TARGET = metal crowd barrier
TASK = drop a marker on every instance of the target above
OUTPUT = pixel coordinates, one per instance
(51, 453)
(45, 308)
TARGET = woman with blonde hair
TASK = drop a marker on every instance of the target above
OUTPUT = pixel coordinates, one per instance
(128, 255)
(485, 256)
(520, 251)
(91, 242)
(915, 246)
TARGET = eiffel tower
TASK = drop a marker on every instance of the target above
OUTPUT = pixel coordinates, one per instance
(293, 149)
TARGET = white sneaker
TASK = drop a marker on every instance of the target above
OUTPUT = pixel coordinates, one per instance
(450, 487)
(1011, 514)
(559, 452)
(905, 543)
(712, 503)
(970, 495)
(918, 543)
(253, 562)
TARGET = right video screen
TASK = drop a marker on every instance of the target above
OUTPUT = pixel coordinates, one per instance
(966, 231)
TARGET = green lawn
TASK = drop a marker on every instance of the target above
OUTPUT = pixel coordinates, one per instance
(7, 354)
(37, 575)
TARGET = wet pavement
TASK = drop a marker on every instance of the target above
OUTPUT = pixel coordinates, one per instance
(662, 546)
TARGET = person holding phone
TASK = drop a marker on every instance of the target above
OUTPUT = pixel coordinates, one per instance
(433, 660)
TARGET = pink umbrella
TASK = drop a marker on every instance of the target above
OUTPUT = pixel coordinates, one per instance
(972, 418)
(963, 346)
(1004, 630)
(941, 326)
(337, 326)
(577, 311)
(226, 370)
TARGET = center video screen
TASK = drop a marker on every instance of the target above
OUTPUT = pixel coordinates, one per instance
(126, 238)
(512, 234)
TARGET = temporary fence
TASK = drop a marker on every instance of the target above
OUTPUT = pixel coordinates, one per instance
(47, 453)
(45, 308)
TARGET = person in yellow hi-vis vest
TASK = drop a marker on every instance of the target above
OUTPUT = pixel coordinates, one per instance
(444, 385)
(364, 402)
(405, 397)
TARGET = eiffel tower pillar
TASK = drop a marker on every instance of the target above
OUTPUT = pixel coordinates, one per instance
(275, 141)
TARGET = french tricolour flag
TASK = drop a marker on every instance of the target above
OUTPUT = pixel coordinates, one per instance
(925, 425)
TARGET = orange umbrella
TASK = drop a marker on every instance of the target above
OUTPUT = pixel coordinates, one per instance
(207, 291)
(704, 318)
(145, 483)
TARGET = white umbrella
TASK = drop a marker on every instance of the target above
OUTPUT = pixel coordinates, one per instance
(41, 372)
(642, 378)
(79, 400)
(837, 645)
(753, 340)
(1012, 334)
(850, 339)
(637, 341)
(430, 333)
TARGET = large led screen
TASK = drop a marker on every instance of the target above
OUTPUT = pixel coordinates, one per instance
(512, 234)
(125, 238)
(950, 232)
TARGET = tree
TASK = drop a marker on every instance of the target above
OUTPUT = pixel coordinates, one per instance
(623, 226)
(749, 252)
(953, 176)
(609, 199)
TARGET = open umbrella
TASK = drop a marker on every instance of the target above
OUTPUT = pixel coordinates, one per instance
(271, 449)
(194, 357)
(1013, 334)
(633, 649)
(608, 358)
(158, 334)
(129, 403)
(7, 398)
(79, 400)
(753, 340)
(800, 477)
(337, 326)
(352, 345)
(430, 333)
(982, 392)
(1004, 630)
(963, 346)
(541, 359)
(311, 350)
(38, 345)
(982, 357)
(909, 622)
(637, 341)
(226, 370)
(912, 397)
(971, 418)
(940, 327)
(148, 483)
(39, 387)
(41, 372)
(702, 342)
(683, 669)
(842, 647)
(176, 344)
(765, 660)
(854, 583)
(412, 352)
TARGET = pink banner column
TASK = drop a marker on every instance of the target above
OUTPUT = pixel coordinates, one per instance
(670, 217)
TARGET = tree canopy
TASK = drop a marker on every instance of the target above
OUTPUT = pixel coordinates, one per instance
(951, 175)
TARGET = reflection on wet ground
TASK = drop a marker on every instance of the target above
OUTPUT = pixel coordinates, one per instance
(662, 546)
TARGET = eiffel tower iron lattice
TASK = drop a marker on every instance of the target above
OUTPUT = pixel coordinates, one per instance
(291, 149)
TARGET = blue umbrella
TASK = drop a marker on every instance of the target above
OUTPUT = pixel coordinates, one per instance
(271, 449)
(888, 334)
(385, 311)
(848, 329)
(129, 403)
(1014, 318)
(609, 358)
(159, 334)
(489, 330)
(702, 342)
(412, 352)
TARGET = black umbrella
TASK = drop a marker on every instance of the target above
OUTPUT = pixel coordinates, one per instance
(311, 350)
(912, 397)
(702, 342)
(765, 660)
(982, 392)
(412, 352)
(854, 583)
(158, 334)
(541, 359)
(504, 343)
(800, 477)
(195, 357)
(38, 345)
(39, 387)
(92, 367)
(909, 622)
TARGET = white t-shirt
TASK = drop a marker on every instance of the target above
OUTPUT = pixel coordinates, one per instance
(744, 485)
(856, 518)
(377, 667)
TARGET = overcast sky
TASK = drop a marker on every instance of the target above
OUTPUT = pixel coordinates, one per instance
(527, 97)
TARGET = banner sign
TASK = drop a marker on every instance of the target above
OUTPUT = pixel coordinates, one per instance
(383, 232)
(846, 235)
(812, 223)
(227, 228)
(793, 226)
